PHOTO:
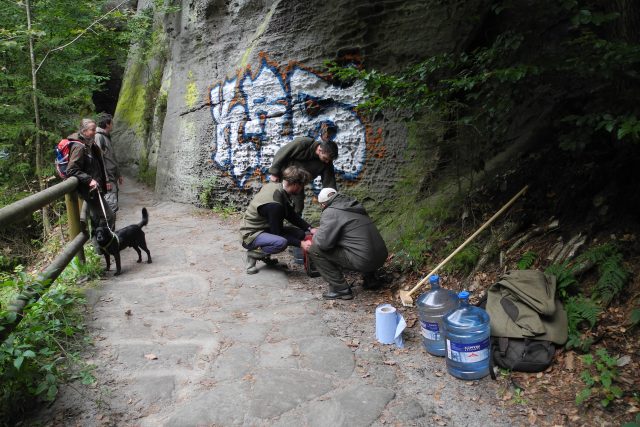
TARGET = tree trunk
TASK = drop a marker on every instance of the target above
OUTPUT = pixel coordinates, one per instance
(36, 111)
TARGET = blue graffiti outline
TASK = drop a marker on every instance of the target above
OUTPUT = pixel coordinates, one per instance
(249, 138)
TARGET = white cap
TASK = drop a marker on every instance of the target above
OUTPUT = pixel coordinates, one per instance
(327, 194)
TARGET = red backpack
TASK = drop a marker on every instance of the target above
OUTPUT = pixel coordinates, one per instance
(62, 156)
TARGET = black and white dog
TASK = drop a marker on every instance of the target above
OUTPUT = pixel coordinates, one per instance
(132, 236)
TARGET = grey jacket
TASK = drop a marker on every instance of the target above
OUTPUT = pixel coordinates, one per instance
(103, 139)
(345, 223)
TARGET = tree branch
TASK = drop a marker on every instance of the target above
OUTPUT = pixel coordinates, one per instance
(79, 35)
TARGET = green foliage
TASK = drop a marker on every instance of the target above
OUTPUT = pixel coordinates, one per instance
(206, 192)
(580, 310)
(146, 173)
(613, 277)
(634, 318)
(465, 260)
(599, 378)
(527, 260)
(565, 281)
(225, 211)
(635, 423)
(583, 310)
(44, 348)
(585, 72)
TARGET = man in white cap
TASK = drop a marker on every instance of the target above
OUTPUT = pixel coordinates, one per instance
(346, 239)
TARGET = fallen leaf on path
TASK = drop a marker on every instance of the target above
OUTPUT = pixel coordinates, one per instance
(532, 418)
(569, 362)
(624, 360)
(150, 356)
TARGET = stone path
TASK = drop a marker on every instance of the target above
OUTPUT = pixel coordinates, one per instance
(192, 340)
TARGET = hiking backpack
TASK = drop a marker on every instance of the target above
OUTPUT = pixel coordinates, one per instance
(527, 320)
(62, 156)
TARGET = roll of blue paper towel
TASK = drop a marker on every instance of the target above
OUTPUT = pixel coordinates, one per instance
(389, 325)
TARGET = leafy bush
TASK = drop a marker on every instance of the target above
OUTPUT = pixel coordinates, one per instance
(602, 383)
(580, 310)
(44, 348)
(527, 260)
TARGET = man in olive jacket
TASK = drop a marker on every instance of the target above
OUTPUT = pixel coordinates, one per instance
(316, 157)
(262, 231)
(86, 164)
(346, 239)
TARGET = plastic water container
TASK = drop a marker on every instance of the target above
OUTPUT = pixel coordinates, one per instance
(467, 334)
(298, 256)
(432, 306)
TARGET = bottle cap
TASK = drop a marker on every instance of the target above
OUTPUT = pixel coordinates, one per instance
(463, 294)
(434, 278)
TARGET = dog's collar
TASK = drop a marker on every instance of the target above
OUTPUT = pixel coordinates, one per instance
(113, 236)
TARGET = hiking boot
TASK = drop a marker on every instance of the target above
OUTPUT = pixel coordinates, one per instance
(250, 260)
(342, 294)
(269, 261)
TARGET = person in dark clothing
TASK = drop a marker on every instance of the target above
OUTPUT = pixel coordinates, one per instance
(262, 231)
(316, 157)
(86, 164)
(346, 239)
(114, 178)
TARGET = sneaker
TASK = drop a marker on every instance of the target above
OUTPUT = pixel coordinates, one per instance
(342, 294)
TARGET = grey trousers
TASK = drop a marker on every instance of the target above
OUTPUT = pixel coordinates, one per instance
(111, 197)
(331, 265)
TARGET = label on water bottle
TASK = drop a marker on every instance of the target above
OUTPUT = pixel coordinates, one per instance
(430, 330)
(468, 353)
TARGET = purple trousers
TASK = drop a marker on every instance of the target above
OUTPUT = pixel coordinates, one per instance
(273, 244)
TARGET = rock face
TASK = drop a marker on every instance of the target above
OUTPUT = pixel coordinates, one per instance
(227, 83)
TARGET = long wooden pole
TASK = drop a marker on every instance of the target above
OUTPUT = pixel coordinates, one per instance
(466, 242)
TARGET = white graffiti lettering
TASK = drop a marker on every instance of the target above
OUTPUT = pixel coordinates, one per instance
(255, 114)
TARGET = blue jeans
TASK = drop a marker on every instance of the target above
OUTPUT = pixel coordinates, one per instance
(273, 244)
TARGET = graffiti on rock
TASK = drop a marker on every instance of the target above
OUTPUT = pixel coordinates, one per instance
(256, 113)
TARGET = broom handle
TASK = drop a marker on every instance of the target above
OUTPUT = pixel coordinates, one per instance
(466, 242)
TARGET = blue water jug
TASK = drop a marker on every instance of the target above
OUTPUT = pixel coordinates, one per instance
(432, 306)
(467, 335)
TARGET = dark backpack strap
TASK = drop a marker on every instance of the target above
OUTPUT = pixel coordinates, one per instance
(503, 345)
(492, 365)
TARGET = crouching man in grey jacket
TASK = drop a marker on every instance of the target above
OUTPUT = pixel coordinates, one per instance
(346, 239)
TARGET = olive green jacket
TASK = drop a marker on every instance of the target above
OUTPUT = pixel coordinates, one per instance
(252, 222)
(523, 304)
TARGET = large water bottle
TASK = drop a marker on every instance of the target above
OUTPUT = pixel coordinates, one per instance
(467, 335)
(433, 305)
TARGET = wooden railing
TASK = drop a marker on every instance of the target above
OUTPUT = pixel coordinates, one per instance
(77, 235)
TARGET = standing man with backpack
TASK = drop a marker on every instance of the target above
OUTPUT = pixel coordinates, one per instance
(316, 157)
(114, 179)
(86, 164)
